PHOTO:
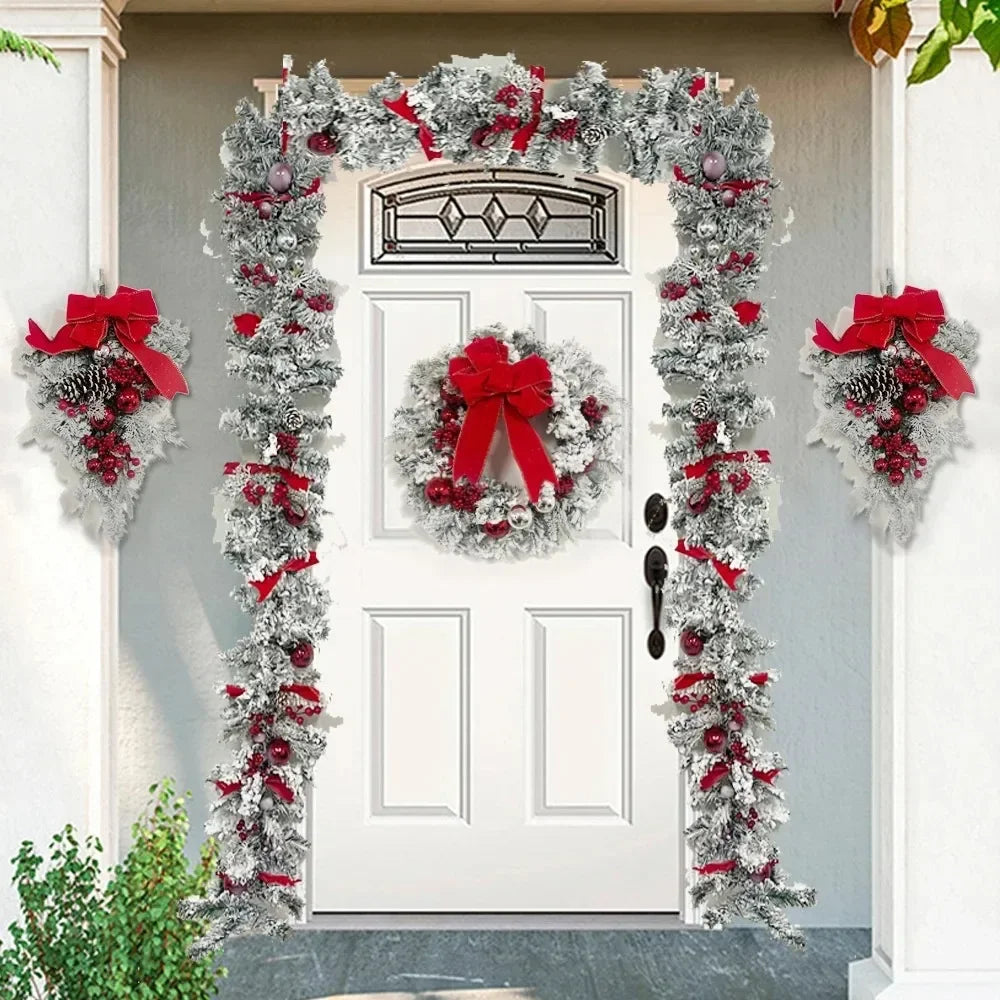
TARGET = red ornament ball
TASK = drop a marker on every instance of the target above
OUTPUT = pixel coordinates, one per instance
(915, 399)
(104, 421)
(692, 643)
(302, 655)
(729, 198)
(278, 751)
(295, 517)
(110, 477)
(322, 143)
(881, 464)
(891, 420)
(497, 529)
(279, 177)
(265, 210)
(128, 401)
(715, 738)
(438, 491)
(896, 477)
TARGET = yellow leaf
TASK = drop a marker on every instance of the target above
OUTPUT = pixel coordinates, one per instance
(878, 19)
(893, 31)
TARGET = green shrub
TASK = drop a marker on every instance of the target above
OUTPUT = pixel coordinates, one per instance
(82, 939)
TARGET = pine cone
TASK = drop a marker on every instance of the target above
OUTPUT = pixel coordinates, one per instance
(700, 409)
(291, 417)
(90, 383)
(877, 385)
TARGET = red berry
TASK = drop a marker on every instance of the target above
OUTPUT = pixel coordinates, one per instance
(896, 477)
(94, 464)
(110, 477)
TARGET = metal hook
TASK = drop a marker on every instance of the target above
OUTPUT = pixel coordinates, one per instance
(890, 281)
(102, 287)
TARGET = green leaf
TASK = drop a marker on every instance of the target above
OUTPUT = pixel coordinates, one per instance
(26, 48)
(986, 29)
(933, 56)
(957, 20)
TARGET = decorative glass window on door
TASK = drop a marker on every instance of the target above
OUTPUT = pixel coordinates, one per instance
(494, 216)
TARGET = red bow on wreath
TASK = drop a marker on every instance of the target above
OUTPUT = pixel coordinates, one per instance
(920, 313)
(130, 314)
(493, 387)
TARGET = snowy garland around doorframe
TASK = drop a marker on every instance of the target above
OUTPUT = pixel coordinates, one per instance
(442, 436)
(715, 158)
(101, 391)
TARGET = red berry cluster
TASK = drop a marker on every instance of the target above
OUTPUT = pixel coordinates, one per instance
(509, 95)
(258, 275)
(254, 493)
(593, 410)
(734, 709)
(446, 436)
(320, 303)
(298, 711)
(735, 264)
(295, 513)
(898, 456)
(698, 503)
(288, 444)
(465, 496)
(696, 702)
(673, 290)
(705, 433)
(245, 831)
(294, 327)
(564, 131)
(750, 818)
(564, 486)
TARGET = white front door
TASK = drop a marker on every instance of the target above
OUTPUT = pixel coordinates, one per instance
(498, 751)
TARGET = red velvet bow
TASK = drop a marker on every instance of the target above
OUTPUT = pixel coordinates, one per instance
(493, 387)
(293, 480)
(130, 314)
(920, 313)
(401, 106)
(699, 469)
(523, 132)
(265, 586)
(728, 574)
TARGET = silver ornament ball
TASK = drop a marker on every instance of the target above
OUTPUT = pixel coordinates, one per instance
(545, 504)
(713, 165)
(266, 803)
(713, 249)
(520, 517)
(287, 241)
(279, 177)
(707, 228)
(726, 792)
(280, 260)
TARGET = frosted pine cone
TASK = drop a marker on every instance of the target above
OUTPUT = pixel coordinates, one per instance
(90, 383)
(876, 385)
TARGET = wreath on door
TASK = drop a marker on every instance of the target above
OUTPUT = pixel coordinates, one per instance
(562, 422)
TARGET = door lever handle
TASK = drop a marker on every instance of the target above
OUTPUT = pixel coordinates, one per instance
(655, 570)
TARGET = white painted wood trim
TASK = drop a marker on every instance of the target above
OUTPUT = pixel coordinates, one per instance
(93, 27)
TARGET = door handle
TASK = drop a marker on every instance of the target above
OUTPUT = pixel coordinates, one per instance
(655, 571)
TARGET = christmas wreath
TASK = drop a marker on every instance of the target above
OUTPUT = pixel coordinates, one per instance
(442, 438)
(887, 390)
(100, 392)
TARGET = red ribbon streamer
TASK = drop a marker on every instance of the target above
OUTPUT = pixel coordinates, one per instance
(257, 198)
(716, 868)
(738, 186)
(265, 586)
(688, 680)
(228, 787)
(246, 324)
(746, 311)
(920, 314)
(269, 878)
(728, 574)
(304, 691)
(767, 776)
(293, 480)
(759, 679)
(279, 788)
(698, 469)
(234, 690)
(714, 775)
(131, 315)
(401, 106)
(493, 388)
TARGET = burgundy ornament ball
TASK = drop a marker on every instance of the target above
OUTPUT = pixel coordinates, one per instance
(128, 401)
(278, 751)
(896, 477)
(715, 738)
(302, 655)
(497, 529)
(438, 491)
(891, 420)
(295, 516)
(265, 210)
(279, 177)
(713, 165)
(692, 643)
(729, 198)
(322, 143)
(915, 399)
(110, 477)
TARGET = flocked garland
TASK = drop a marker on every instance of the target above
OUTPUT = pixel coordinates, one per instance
(494, 112)
(493, 519)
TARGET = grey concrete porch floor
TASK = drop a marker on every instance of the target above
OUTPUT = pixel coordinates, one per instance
(541, 965)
